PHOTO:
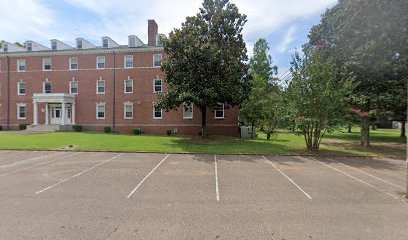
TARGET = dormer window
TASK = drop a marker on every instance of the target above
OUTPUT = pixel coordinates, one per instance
(159, 39)
(54, 45)
(132, 41)
(105, 43)
(29, 46)
(79, 44)
(5, 47)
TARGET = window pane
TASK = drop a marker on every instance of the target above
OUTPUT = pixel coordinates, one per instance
(128, 86)
(157, 60)
(47, 87)
(157, 113)
(74, 87)
(22, 88)
(101, 62)
(74, 63)
(157, 85)
(129, 61)
(187, 110)
(21, 111)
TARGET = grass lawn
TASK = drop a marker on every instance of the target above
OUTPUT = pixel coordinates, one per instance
(385, 142)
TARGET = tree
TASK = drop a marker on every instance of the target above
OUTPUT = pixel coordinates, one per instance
(368, 40)
(317, 98)
(206, 58)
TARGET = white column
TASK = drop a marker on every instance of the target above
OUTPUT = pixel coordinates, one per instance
(63, 114)
(73, 113)
(35, 113)
(46, 114)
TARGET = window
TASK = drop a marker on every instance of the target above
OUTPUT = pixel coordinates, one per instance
(128, 61)
(100, 111)
(157, 86)
(46, 63)
(21, 88)
(100, 62)
(219, 111)
(21, 63)
(79, 44)
(73, 87)
(105, 43)
(128, 110)
(21, 111)
(188, 110)
(157, 113)
(47, 87)
(73, 63)
(157, 59)
(54, 45)
(100, 87)
(128, 86)
(29, 46)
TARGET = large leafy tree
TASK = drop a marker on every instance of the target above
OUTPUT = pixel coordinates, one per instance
(206, 60)
(316, 98)
(368, 39)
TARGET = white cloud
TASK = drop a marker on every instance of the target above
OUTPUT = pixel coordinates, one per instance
(288, 39)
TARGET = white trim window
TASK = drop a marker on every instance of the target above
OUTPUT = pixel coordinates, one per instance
(219, 111)
(128, 61)
(47, 87)
(100, 87)
(73, 87)
(128, 86)
(21, 65)
(73, 63)
(100, 111)
(21, 111)
(100, 62)
(157, 113)
(21, 88)
(157, 85)
(128, 110)
(157, 60)
(187, 110)
(47, 64)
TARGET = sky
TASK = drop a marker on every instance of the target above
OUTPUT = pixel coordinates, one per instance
(284, 24)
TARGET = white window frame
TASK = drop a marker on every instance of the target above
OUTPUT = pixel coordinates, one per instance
(125, 61)
(19, 105)
(18, 65)
(70, 87)
(79, 44)
(124, 86)
(104, 110)
(43, 63)
(97, 86)
(127, 104)
(223, 112)
(184, 111)
(154, 85)
(154, 62)
(70, 63)
(97, 62)
(19, 88)
(154, 113)
(44, 83)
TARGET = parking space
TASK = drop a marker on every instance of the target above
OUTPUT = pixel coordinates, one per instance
(84, 195)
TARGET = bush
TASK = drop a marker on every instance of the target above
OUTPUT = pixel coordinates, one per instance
(168, 132)
(77, 128)
(107, 129)
(1, 127)
(23, 126)
(137, 131)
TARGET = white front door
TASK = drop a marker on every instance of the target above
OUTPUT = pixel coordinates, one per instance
(56, 115)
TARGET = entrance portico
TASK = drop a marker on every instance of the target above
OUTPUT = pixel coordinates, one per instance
(59, 108)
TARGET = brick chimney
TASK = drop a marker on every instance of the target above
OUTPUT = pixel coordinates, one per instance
(152, 30)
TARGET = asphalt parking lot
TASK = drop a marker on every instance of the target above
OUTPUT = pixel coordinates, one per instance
(85, 195)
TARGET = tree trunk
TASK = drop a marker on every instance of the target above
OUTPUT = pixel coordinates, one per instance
(268, 135)
(403, 129)
(349, 128)
(373, 127)
(252, 132)
(365, 132)
(203, 121)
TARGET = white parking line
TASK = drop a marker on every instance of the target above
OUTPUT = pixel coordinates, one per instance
(27, 160)
(357, 179)
(36, 165)
(141, 182)
(358, 170)
(217, 192)
(286, 176)
(78, 174)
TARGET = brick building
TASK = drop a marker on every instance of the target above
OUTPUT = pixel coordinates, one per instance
(96, 86)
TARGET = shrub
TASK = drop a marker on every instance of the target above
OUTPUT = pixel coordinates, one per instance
(77, 128)
(23, 126)
(1, 127)
(107, 129)
(168, 132)
(137, 131)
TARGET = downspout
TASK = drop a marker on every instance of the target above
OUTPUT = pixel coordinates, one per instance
(114, 91)
(8, 92)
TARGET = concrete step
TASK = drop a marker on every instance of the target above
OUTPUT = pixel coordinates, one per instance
(43, 128)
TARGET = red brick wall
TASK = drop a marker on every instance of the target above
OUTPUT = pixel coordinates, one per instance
(142, 97)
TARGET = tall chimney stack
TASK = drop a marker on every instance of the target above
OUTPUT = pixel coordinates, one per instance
(152, 30)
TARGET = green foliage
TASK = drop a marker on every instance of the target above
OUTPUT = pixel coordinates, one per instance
(23, 126)
(168, 132)
(77, 128)
(317, 98)
(107, 129)
(1, 128)
(206, 58)
(137, 131)
(261, 62)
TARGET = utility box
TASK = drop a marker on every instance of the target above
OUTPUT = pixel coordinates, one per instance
(246, 132)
